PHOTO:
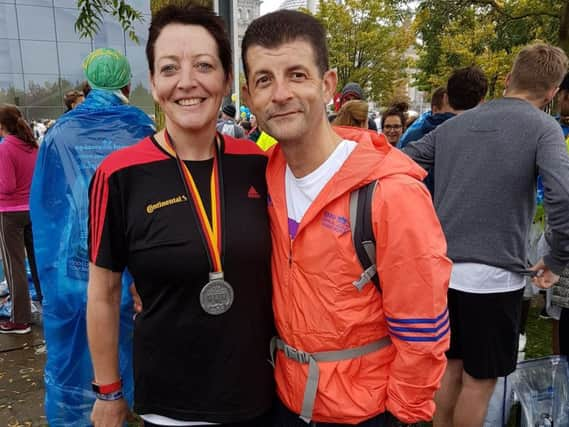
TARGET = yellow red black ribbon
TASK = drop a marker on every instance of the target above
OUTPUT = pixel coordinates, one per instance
(211, 231)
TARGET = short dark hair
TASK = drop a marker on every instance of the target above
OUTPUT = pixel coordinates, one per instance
(190, 15)
(437, 98)
(284, 26)
(398, 109)
(466, 87)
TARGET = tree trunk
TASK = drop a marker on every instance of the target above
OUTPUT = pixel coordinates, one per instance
(564, 28)
(155, 6)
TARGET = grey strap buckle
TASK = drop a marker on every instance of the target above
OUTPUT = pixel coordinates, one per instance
(294, 354)
(323, 356)
(365, 277)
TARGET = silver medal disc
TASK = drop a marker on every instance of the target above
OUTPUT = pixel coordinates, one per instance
(216, 297)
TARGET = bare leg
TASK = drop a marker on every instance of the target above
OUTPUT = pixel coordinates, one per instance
(446, 397)
(472, 404)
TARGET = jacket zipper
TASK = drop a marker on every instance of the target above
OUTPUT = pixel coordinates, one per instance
(290, 252)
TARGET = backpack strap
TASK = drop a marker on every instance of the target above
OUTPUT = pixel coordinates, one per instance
(362, 234)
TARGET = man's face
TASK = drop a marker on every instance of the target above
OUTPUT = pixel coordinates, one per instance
(286, 90)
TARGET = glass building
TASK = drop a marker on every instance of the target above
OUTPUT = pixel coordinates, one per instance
(41, 55)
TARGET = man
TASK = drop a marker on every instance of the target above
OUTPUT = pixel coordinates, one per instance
(440, 112)
(227, 123)
(466, 88)
(384, 351)
(486, 162)
(350, 92)
(68, 157)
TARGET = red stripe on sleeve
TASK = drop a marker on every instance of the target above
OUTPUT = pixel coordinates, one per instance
(102, 198)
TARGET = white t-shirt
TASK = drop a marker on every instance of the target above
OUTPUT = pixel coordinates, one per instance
(484, 279)
(301, 192)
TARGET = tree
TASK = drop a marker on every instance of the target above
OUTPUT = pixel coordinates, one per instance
(487, 33)
(367, 41)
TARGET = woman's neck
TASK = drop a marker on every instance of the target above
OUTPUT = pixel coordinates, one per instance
(191, 145)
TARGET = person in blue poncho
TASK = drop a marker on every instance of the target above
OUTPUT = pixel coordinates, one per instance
(71, 151)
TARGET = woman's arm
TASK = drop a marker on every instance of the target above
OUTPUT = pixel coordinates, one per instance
(103, 316)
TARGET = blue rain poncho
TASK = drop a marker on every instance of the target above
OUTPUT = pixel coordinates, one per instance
(59, 204)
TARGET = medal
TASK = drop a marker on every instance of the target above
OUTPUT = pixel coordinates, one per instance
(217, 296)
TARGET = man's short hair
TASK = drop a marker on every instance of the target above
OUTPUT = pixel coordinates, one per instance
(437, 98)
(466, 87)
(285, 26)
(537, 69)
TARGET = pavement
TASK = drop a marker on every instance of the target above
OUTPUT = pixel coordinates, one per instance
(22, 359)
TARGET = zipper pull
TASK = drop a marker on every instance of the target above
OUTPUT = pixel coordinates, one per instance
(290, 253)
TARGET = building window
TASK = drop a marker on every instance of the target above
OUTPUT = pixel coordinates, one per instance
(39, 57)
(8, 27)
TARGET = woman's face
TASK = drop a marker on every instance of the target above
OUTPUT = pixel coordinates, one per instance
(393, 129)
(189, 81)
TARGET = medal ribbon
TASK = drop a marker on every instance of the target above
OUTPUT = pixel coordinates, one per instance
(211, 231)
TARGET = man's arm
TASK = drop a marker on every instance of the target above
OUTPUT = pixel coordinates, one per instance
(553, 165)
(414, 273)
(423, 150)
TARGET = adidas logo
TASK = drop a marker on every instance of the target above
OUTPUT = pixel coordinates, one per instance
(253, 194)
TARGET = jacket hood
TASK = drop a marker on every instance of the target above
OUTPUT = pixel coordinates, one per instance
(376, 157)
(433, 120)
(373, 158)
(18, 143)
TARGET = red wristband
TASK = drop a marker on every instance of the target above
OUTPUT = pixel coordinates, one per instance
(107, 388)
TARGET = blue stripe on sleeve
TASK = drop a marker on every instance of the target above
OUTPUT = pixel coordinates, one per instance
(419, 330)
(425, 320)
(422, 339)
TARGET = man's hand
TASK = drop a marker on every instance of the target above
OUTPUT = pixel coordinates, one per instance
(545, 278)
(109, 413)
(136, 301)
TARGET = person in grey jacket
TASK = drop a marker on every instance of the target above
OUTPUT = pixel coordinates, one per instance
(487, 160)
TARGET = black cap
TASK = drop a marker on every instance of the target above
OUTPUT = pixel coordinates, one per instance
(229, 109)
(352, 89)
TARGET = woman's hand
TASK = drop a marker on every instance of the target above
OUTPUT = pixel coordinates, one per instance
(136, 301)
(111, 413)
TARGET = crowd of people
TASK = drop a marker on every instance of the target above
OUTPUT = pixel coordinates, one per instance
(285, 266)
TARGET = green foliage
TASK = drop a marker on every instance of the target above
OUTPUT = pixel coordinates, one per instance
(367, 40)
(487, 33)
(91, 13)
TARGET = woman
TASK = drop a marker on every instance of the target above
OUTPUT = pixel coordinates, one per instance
(18, 153)
(352, 113)
(393, 122)
(185, 211)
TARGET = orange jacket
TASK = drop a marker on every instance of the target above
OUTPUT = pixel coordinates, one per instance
(317, 308)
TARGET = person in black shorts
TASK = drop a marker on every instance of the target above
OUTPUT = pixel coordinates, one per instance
(186, 212)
